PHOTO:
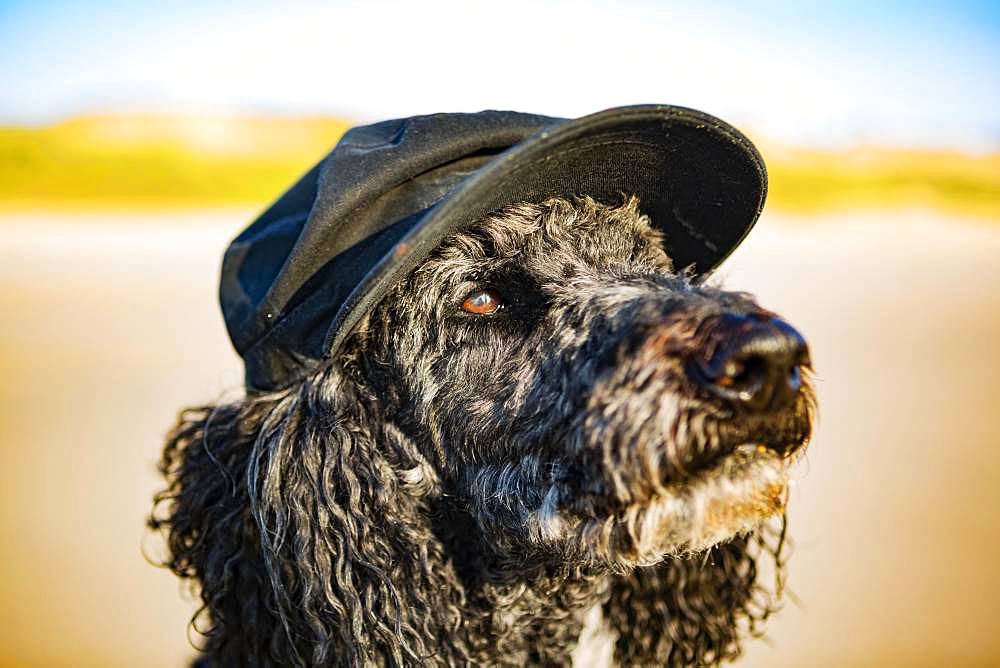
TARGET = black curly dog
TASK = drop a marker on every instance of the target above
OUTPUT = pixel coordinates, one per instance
(546, 433)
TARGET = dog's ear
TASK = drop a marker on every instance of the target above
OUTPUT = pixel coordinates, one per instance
(304, 518)
(689, 611)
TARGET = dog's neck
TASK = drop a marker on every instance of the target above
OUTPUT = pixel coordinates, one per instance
(519, 598)
(511, 596)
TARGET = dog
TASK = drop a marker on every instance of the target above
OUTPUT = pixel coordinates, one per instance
(547, 444)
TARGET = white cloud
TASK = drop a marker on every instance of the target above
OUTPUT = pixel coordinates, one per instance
(380, 59)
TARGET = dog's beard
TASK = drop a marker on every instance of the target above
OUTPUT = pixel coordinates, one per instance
(644, 474)
(734, 496)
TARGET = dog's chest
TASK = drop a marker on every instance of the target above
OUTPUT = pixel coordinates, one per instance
(596, 646)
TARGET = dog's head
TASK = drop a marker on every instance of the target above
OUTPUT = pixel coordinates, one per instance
(543, 410)
(583, 395)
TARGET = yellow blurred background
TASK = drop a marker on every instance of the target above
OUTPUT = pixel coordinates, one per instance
(159, 161)
(135, 143)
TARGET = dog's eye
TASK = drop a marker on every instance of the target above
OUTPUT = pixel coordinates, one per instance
(482, 302)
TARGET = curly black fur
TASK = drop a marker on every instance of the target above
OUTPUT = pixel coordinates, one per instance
(458, 489)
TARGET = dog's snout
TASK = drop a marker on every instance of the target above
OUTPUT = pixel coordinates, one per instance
(756, 364)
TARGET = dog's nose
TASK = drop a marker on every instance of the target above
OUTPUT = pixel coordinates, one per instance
(757, 363)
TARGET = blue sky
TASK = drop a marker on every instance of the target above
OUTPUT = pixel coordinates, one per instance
(894, 72)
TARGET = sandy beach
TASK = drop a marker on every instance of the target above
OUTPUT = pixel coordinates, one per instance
(110, 325)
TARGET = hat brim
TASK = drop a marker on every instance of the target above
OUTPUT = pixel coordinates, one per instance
(700, 181)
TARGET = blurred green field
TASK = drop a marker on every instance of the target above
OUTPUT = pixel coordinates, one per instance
(128, 161)
(148, 160)
(810, 181)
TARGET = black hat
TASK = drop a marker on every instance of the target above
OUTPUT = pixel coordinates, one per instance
(297, 281)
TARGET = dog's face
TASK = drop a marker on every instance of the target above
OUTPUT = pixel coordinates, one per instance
(581, 397)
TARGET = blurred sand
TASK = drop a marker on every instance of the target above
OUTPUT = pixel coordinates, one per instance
(110, 325)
